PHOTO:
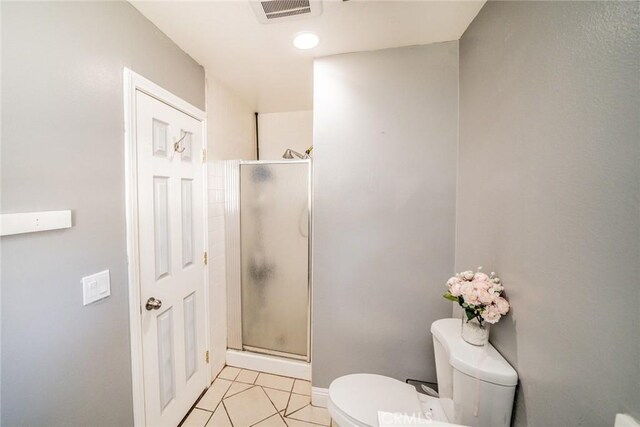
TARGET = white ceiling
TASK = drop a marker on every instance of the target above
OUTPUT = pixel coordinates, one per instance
(260, 64)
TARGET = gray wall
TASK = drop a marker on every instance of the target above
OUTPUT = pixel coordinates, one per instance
(62, 148)
(385, 132)
(549, 178)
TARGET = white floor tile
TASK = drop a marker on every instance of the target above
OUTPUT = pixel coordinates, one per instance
(297, 423)
(247, 376)
(272, 421)
(197, 418)
(312, 414)
(275, 381)
(279, 398)
(237, 388)
(229, 373)
(297, 401)
(219, 418)
(302, 387)
(213, 396)
(249, 407)
(245, 398)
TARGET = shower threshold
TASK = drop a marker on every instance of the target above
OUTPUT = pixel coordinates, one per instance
(274, 353)
(256, 360)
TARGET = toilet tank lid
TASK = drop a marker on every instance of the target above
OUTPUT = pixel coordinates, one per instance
(483, 363)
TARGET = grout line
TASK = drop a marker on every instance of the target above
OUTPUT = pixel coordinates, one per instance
(227, 413)
(273, 404)
(281, 376)
(282, 418)
(186, 417)
(299, 409)
(287, 407)
(264, 419)
(208, 419)
(225, 367)
(241, 391)
(214, 409)
(248, 370)
(282, 414)
(194, 406)
(279, 389)
(306, 421)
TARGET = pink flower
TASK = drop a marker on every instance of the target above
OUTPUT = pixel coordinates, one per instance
(485, 297)
(467, 275)
(454, 284)
(471, 298)
(453, 280)
(455, 289)
(468, 293)
(491, 314)
(502, 305)
(481, 285)
(480, 277)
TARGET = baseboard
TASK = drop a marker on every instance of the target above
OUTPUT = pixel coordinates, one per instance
(320, 397)
(270, 364)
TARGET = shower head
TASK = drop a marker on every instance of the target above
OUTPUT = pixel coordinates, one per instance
(289, 154)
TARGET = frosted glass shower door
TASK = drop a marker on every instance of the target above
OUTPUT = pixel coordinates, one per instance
(274, 238)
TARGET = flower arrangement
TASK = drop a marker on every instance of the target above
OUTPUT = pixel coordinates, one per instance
(479, 295)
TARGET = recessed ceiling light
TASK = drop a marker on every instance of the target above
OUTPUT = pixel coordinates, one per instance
(306, 41)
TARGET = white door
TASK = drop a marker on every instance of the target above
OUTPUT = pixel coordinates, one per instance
(171, 257)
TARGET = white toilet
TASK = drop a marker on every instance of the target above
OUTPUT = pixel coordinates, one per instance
(476, 388)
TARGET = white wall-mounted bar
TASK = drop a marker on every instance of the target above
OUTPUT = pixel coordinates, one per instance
(31, 222)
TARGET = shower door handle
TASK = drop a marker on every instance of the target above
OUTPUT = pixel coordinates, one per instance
(153, 304)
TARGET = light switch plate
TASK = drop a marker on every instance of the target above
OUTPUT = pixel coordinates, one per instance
(96, 287)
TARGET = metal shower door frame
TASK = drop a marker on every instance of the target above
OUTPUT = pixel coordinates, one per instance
(235, 340)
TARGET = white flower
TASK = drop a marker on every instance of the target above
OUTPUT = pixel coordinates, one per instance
(467, 275)
(497, 288)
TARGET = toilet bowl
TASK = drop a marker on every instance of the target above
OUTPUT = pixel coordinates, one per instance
(476, 388)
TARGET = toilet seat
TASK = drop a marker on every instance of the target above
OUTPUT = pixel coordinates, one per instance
(354, 400)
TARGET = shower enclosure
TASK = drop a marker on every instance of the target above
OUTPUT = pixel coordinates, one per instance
(268, 213)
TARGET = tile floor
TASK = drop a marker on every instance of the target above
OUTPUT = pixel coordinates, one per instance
(243, 398)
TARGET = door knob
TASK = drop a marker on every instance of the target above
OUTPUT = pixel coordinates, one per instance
(153, 304)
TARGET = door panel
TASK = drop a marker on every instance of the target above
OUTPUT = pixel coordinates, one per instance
(171, 237)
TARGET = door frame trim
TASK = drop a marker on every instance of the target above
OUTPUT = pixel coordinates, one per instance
(133, 82)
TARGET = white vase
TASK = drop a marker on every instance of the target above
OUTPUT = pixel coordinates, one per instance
(473, 332)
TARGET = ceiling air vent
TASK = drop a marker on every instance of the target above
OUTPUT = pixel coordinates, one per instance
(269, 11)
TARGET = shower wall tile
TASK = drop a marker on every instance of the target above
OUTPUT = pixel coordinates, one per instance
(217, 269)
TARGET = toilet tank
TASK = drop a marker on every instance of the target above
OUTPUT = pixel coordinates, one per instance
(476, 384)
